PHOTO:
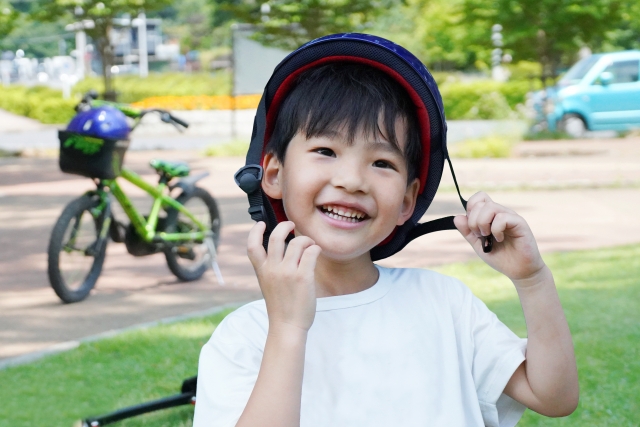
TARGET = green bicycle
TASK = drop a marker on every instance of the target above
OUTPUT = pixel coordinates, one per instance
(186, 228)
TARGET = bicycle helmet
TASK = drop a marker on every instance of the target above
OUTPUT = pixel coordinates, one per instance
(103, 122)
(404, 68)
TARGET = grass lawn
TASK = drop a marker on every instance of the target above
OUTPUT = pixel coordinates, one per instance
(600, 291)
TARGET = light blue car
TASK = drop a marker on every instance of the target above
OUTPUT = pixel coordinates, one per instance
(601, 92)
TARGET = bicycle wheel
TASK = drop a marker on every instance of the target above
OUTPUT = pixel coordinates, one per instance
(189, 260)
(75, 261)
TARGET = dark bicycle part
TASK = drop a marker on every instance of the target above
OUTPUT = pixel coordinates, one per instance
(182, 258)
(187, 396)
(117, 230)
(137, 246)
(77, 250)
(179, 121)
(188, 184)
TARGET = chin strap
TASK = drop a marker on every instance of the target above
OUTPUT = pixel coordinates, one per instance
(249, 179)
(445, 223)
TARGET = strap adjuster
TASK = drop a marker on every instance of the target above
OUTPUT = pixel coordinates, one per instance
(249, 178)
(258, 213)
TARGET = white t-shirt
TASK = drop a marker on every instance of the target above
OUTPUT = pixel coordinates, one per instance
(417, 349)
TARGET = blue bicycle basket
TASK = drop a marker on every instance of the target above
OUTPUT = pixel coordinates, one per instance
(94, 143)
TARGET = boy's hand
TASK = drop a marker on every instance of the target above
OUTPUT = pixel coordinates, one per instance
(286, 276)
(515, 252)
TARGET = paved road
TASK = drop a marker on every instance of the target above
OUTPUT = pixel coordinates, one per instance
(588, 196)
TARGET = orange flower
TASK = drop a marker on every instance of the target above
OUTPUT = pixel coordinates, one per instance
(200, 102)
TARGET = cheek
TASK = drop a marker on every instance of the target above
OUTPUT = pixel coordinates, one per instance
(298, 192)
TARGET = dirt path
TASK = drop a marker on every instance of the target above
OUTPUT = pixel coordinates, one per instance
(586, 195)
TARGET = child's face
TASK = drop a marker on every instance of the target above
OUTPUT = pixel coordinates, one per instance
(346, 197)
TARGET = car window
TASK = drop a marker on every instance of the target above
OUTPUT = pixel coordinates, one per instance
(624, 71)
(579, 70)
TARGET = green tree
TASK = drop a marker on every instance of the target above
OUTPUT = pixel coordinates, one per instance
(627, 34)
(289, 24)
(8, 18)
(433, 30)
(547, 31)
(102, 13)
(191, 24)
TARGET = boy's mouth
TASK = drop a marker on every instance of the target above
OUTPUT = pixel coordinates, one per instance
(342, 213)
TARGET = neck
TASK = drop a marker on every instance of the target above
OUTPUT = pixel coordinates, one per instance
(344, 277)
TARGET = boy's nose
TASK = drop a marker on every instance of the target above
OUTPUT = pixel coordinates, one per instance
(349, 177)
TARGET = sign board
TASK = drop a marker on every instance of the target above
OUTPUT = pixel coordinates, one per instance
(253, 63)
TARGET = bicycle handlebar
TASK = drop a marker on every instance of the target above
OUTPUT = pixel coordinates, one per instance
(179, 121)
(91, 99)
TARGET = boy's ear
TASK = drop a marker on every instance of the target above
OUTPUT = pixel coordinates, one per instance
(271, 176)
(409, 201)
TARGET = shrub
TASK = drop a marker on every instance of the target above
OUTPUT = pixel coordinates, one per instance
(131, 88)
(54, 111)
(491, 146)
(492, 105)
(229, 149)
(483, 99)
(40, 103)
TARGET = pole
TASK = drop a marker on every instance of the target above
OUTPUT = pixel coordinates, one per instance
(142, 45)
(497, 72)
(81, 49)
(234, 28)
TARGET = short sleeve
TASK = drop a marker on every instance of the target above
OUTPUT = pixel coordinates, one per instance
(497, 353)
(227, 371)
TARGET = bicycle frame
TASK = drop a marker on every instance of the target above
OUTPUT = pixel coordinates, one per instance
(146, 228)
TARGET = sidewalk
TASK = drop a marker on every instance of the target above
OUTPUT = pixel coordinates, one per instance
(596, 206)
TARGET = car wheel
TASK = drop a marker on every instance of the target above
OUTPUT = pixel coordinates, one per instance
(573, 125)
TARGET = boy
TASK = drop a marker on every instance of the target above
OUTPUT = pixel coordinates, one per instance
(338, 340)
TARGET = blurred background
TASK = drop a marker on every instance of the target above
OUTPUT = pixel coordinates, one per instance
(542, 99)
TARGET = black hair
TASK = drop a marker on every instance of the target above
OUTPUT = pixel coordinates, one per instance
(347, 96)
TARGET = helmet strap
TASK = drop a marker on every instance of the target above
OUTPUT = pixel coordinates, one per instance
(445, 223)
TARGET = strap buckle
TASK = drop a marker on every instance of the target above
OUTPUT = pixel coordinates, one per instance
(258, 213)
(249, 178)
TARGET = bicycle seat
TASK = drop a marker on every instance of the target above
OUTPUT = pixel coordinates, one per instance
(171, 169)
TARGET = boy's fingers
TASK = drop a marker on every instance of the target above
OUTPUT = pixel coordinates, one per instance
(479, 197)
(485, 217)
(277, 240)
(309, 258)
(472, 217)
(499, 225)
(255, 251)
(461, 223)
(509, 223)
(295, 249)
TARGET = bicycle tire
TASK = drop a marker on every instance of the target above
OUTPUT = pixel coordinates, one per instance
(195, 272)
(75, 210)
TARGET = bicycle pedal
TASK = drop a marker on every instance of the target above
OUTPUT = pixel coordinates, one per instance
(185, 252)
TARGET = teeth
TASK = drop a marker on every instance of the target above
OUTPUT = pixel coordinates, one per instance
(343, 215)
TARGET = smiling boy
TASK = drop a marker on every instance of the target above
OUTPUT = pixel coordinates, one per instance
(341, 341)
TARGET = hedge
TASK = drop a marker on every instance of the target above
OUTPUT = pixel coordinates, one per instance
(484, 99)
(131, 88)
(478, 99)
(38, 102)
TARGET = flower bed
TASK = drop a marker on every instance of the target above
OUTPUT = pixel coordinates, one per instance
(200, 102)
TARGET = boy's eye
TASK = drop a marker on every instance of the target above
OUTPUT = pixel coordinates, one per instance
(325, 151)
(383, 164)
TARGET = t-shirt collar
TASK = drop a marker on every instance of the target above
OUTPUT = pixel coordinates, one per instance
(375, 292)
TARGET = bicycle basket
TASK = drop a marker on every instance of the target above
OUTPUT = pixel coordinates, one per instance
(91, 157)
